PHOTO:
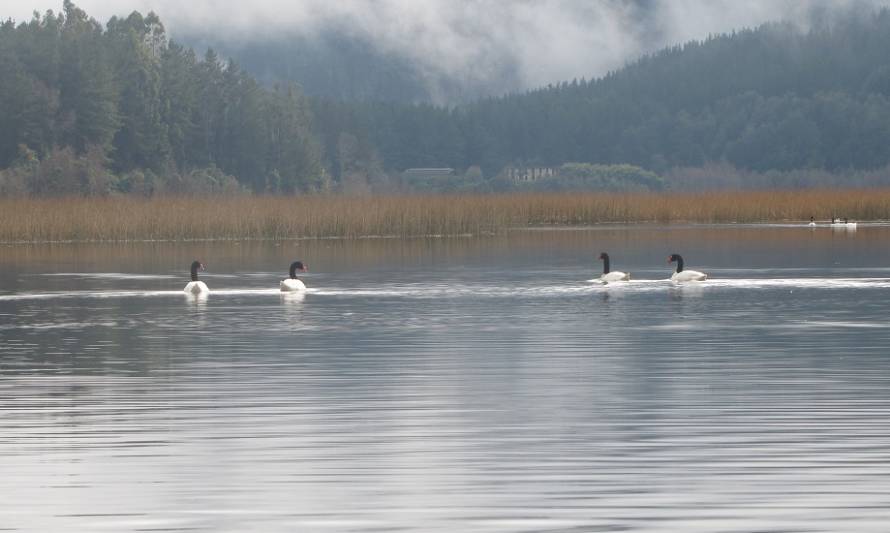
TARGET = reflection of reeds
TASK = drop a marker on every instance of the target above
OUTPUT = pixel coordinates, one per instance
(122, 219)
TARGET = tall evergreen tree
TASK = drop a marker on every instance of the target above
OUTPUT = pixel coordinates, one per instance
(137, 44)
(89, 95)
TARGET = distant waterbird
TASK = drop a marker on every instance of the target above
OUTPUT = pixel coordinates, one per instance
(838, 223)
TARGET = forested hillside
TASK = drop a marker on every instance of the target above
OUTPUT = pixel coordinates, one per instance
(88, 108)
(769, 99)
(92, 109)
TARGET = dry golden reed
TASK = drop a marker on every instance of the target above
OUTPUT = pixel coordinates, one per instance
(252, 217)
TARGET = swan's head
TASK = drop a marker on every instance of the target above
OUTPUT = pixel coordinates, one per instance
(297, 266)
(604, 256)
(196, 265)
(678, 259)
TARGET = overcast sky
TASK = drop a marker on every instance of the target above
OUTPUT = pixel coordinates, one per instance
(548, 40)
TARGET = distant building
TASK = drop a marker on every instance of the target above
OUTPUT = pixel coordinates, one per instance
(416, 173)
(529, 174)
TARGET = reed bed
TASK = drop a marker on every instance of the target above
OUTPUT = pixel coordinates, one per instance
(251, 217)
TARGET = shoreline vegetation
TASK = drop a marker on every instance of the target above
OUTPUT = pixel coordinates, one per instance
(120, 219)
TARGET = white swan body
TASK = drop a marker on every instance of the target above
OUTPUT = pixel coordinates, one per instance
(847, 226)
(842, 223)
(292, 285)
(196, 287)
(689, 275)
(608, 275)
(615, 275)
(681, 275)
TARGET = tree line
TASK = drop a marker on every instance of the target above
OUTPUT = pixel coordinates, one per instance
(93, 109)
(120, 108)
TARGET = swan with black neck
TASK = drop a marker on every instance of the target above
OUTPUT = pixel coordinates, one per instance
(293, 283)
(609, 275)
(685, 275)
(195, 286)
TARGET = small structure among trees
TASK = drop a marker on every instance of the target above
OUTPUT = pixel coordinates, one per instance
(529, 174)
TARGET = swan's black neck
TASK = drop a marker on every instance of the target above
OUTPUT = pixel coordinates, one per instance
(606, 269)
(296, 265)
(194, 271)
(679, 264)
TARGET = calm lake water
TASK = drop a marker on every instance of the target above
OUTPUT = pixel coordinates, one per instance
(473, 384)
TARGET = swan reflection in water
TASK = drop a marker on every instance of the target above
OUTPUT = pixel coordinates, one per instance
(292, 298)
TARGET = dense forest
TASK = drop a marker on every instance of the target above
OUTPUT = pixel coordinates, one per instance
(120, 108)
(92, 109)
(768, 100)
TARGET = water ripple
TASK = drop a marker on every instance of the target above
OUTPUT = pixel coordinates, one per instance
(458, 399)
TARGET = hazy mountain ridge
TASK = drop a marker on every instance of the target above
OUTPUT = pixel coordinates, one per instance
(772, 98)
(445, 52)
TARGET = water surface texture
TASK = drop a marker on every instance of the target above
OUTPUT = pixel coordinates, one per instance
(473, 384)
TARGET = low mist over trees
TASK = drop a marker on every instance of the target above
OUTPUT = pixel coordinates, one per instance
(119, 108)
(87, 109)
(339, 64)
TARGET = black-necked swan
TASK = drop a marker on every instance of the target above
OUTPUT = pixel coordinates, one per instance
(608, 275)
(685, 275)
(812, 222)
(294, 283)
(195, 286)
